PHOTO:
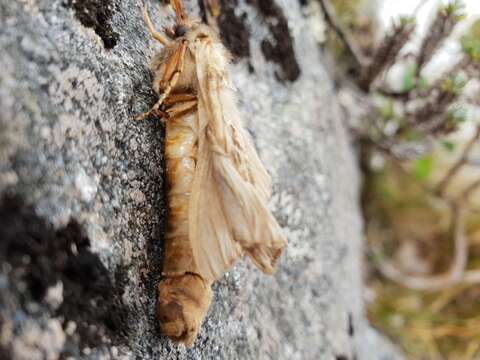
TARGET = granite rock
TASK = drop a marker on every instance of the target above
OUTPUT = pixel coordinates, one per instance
(83, 201)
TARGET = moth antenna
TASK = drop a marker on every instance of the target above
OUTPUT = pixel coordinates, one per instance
(179, 11)
(155, 34)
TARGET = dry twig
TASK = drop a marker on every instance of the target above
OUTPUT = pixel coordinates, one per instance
(387, 52)
(442, 185)
(344, 36)
(470, 190)
(456, 273)
(439, 30)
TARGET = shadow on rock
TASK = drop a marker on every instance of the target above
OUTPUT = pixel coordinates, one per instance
(34, 258)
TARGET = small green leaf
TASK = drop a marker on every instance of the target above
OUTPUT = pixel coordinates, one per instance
(471, 47)
(423, 83)
(474, 30)
(454, 84)
(471, 41)
(448, 145)
(422, 168)
(458, 114)
(455, 9)
(409, 78)
(387, 110)
(412, 135)
(407, 20)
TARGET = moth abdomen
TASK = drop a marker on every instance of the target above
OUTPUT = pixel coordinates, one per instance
(183, 302)
(184, 296)
(180, 153)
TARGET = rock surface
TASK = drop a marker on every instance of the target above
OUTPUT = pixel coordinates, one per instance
(83, 205)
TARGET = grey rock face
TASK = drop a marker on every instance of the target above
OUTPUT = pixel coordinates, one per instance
(75, 169)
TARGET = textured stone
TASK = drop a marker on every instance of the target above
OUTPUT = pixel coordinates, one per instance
(73, 73)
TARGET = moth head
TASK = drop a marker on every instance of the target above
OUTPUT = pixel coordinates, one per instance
(182, 305)
(180, 30)
(185, 26)
(177, 31)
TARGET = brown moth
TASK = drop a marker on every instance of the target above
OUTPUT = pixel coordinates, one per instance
(218, 188)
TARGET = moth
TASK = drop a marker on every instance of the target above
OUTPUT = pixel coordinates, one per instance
(218, 189)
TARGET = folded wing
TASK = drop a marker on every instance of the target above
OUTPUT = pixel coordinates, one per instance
(228, 213)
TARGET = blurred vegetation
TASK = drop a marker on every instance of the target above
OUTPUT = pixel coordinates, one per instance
(471, 41)
(443, 325)
(414, 229)
(356, 18)
(421, 196)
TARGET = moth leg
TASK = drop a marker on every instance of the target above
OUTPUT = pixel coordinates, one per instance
(159, 112)
(172, 73)
(179, 11)
(181, 109)
(180, 104)
(176, 105)
(155, 34)
(180, 97)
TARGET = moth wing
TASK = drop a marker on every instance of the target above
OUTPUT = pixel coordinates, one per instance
(228, 213)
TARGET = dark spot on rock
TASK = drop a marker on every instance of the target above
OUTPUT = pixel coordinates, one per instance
(341, 357)
(203, 11)
(96, 14)
(278, 48)
(40, 257)
(26, 242)
(5, 352)
(303, 2)
(233, 28)
(120, 144)
(351, 329)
